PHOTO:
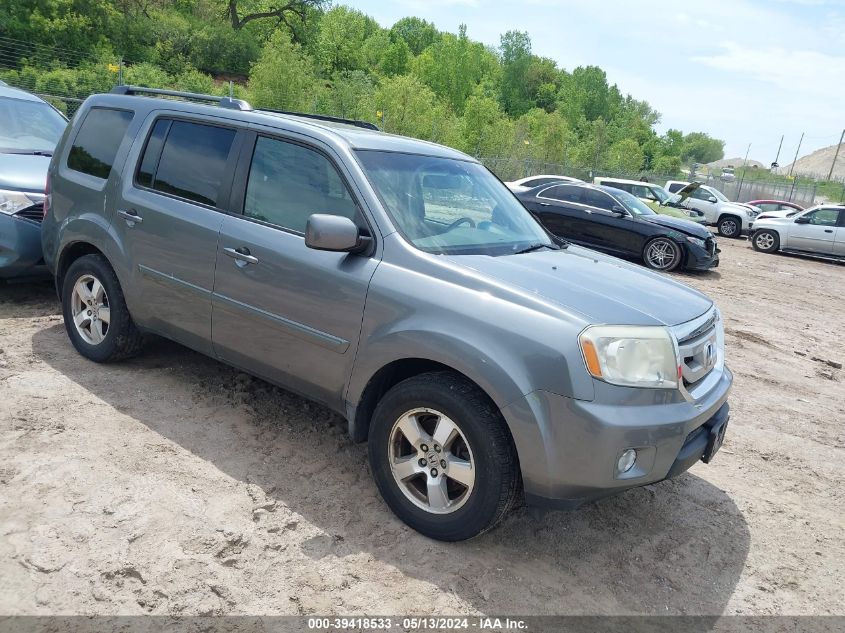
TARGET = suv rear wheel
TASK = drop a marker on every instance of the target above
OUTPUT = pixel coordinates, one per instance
(729, 226)
(442, 456)
(95, 313)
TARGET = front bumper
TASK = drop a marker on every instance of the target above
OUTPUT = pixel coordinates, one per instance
(20, 248)
(698, 258)
(568, 449)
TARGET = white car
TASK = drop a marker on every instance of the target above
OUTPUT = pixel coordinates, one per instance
(819, 230)
(731, 219)
(524, 184)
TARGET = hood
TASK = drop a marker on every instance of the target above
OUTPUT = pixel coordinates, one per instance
(686, 191)
(746, 208)
(687, 227)
(23, 172)
(600, 287)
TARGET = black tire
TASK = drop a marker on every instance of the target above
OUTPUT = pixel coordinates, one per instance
(765, 241)
(673, 254)
(729, 226)
(497, 485)
(121, 339)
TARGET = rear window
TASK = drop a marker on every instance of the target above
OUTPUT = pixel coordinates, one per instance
(186, 159)
(676, 186)
(97, 141)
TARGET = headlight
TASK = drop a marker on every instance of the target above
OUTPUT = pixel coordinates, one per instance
(631, 356)
(13, 201)
(697, 241)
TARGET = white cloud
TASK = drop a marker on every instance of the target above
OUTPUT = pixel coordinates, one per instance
(810, 73)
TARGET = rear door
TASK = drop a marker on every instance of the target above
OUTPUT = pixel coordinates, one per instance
(281, 310)
(839, 239)
(558, 209)
(167, 220)
(816, 236)
(604, 229)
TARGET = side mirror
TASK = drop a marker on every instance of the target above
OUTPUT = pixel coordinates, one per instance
(802, 220)
(712, 199)
(617, 210)
(334, 233)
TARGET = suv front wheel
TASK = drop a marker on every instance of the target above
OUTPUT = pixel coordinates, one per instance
(729, 226)
(95, 313)
(442, 456)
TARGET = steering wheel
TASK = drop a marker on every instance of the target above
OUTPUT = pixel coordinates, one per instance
(460, 221)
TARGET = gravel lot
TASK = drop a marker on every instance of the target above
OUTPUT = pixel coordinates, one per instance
(172, 484)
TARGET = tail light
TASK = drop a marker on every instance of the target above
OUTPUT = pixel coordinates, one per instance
(47, 196)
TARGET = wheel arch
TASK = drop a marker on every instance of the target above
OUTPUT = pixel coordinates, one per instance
(388, 375)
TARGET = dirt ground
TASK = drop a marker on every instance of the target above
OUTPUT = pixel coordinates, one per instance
(172, 484)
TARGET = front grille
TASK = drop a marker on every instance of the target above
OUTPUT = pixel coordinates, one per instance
(698, 350)
(34, 213)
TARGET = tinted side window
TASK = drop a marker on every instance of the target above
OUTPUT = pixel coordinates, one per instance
(564, 193)
(824, 217)
(702, 194)
(597, 199)
(152, 152)
(288, 183)
(675, 187)
(97, 141)
(193, 161)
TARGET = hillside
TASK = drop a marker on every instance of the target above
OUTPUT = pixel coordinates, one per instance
(818, 163)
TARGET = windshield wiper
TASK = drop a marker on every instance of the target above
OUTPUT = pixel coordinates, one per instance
(536, 247)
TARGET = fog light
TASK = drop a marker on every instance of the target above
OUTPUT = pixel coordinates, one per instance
(626, 461)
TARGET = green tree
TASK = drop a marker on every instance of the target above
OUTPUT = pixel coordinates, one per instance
(454, 66)
(484, 128)
(517, 96)
(283, 77)
(701, 148)
(416, 33)
(625, 156)
(408, 106)
(350, 95)
(341, 37)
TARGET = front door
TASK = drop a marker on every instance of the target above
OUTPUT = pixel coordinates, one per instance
(818, 235)
(280, 309)
(167, 221)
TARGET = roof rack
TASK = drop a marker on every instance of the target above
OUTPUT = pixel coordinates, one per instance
(223, 102)
(325, 117)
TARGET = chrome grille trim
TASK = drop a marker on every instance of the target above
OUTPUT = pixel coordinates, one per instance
(700, 346)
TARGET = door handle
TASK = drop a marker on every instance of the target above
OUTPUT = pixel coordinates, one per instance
(241, 255)
(544, 204)
(131, 216)
(828, 230)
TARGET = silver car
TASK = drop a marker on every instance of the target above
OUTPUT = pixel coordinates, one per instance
(397, 282)
(819, 230)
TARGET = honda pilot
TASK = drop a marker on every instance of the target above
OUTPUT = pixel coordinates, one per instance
(395, 281)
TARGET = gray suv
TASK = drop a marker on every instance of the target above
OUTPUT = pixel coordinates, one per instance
(395, 281)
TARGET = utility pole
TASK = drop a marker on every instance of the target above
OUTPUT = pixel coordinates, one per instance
(775, 164)
(835, 156)
(742, 178)
(792, 166)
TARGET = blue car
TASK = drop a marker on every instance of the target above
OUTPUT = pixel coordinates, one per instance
(29, 130)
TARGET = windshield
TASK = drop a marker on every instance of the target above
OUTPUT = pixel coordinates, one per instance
(661, 194)
(634, 204)
(29, 125)
(719, 195)
(448, 206)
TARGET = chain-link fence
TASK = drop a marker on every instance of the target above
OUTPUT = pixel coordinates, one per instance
(58, 75)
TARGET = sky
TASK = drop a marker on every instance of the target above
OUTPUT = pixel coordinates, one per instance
(744, 71)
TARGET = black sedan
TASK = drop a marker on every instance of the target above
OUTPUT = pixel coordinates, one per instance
(615, 222)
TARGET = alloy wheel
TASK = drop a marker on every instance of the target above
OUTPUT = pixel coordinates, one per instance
(90, 309)
(661, 254)
(765, 241)
(431, 461)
